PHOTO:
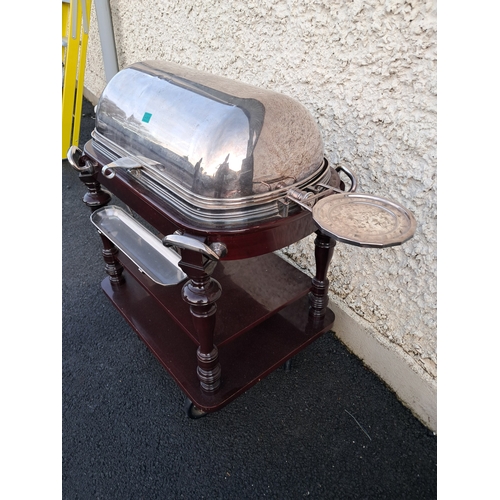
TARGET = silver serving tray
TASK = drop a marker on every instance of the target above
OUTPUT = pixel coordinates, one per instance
(141, 246)
(364, 220)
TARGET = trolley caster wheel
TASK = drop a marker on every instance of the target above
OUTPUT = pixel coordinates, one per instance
(192, 411)
(288, 365)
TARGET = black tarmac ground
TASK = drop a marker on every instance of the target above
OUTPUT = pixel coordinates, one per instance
(328, 429)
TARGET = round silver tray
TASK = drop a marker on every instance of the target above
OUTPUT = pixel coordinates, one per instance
(364, 220)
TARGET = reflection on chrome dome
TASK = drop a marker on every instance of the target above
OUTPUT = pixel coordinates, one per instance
(205, 135)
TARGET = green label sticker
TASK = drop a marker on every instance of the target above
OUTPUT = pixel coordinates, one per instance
(146, 117)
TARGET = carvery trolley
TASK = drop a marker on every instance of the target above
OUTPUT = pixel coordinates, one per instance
(214, 176)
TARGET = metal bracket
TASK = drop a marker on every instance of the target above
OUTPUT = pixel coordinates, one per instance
(125, 162)
(214, 252)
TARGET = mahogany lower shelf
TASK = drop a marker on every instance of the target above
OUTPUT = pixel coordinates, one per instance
(252, 290)
(247, 351)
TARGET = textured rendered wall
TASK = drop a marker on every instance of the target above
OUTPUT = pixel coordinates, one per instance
(366, 70)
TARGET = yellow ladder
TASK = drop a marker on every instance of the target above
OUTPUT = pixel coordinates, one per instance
(75, 30)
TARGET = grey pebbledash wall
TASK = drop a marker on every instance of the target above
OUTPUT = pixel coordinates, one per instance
(367, 72)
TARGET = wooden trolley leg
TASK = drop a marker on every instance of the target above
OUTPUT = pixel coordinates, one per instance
(318, 296)
(96, 198)
(113, 266)
(201, 292)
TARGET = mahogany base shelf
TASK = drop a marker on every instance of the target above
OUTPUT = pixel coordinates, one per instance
(262, 321)
(233, 321)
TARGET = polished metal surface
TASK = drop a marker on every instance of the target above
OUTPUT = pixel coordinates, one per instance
(127, 163)
(208, 139)
(142, 247)
(74, 156)
(319, 190)
(364, 220)
(225, 154)
(210, 213)
(213, 252)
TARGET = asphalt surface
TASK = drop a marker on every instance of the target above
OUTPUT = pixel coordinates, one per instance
(328, 429)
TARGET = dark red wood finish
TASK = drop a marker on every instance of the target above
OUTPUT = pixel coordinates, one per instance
(318, 296)
(252, 290)
(245, 360)
(201, 292)
(231, 323)
(241, 243)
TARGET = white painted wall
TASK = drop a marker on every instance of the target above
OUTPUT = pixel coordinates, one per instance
(366, 70)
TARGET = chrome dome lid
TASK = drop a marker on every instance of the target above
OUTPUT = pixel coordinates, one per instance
(206, 137)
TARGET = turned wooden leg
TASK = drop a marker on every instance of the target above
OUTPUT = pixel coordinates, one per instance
(113, 266)
(96, 198)
(318, 296)
(201, 292)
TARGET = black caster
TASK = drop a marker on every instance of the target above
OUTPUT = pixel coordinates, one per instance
(192, 411)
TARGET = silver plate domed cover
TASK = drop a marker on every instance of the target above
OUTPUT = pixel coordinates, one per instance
(207, 138)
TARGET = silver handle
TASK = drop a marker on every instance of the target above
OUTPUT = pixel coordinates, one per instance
(74, 156)
(126, 162)
(354, 182)
(307, 199)
(214, 252)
